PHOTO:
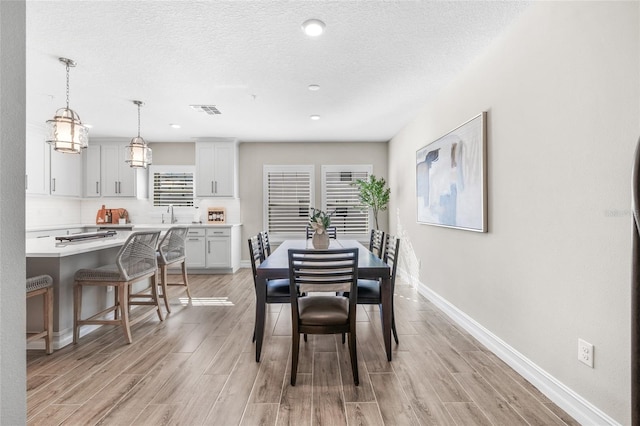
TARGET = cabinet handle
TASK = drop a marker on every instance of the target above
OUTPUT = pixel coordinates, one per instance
(97, 190)
(194, 239)
(209, 247)
(216, 187)
(54, 184)
(116, 189)
(119, 187)
(212, 190)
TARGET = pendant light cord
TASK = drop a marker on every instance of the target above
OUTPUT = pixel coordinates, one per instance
(138, 120)
(67, 66)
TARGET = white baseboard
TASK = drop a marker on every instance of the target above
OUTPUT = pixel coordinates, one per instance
(564, 397)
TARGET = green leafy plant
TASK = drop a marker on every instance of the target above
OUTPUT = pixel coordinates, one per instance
(319, 220)
(374, 193)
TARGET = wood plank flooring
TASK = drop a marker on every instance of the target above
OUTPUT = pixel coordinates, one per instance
(198, 368)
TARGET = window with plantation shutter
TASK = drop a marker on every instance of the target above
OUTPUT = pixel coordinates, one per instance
(340, 195)
(172, 185)
(288, 192)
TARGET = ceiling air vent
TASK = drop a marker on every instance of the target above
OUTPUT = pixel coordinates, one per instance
(209, 109)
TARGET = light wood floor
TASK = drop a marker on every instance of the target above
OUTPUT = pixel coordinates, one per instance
(198, 367)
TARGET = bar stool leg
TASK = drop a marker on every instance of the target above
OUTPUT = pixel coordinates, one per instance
(154, 294)
(77, 309)
(184, 277)
(163, 282)
(123, 293)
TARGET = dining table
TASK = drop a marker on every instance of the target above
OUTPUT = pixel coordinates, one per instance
(276, 266)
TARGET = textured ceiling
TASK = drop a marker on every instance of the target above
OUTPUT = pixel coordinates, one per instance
(377, 63)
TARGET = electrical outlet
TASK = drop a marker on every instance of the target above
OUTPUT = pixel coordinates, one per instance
(585, 352)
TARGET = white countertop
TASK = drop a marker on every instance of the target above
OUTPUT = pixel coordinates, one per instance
(50, 247)
(131, 225)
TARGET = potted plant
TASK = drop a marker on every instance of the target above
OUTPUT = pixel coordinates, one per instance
(374, 193)
(320, 221)
(123, 217)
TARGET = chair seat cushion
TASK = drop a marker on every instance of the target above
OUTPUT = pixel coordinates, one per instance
(38, 282)
(368, 291)
(102, 273)
(323, 310)
(172, 257)
(278, 288)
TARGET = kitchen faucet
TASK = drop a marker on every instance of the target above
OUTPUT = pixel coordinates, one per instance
(170, 210)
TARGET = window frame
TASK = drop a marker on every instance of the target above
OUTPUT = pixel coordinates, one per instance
(266, 170)
(347, 168)
(153, 169)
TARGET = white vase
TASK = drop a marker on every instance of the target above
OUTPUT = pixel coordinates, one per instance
(320, 241)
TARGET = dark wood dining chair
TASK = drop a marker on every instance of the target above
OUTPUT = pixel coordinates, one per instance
(171, 251)
(277, 289)
(376, 242)
(369, 290)
(331, 230)
(266, 244)
(323, 271)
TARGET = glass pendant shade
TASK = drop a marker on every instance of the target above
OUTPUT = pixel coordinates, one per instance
(138, 153)
(66, 133)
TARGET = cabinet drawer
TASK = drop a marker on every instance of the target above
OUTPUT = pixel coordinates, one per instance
(195, 232)
(221, 232)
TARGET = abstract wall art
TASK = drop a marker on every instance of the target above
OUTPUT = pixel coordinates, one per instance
(451, 178)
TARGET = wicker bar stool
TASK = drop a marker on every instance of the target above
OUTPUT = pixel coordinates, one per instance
(171, 251)
(135, 261)
(43, 285)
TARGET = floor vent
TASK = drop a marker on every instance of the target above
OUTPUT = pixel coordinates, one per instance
(209, 109)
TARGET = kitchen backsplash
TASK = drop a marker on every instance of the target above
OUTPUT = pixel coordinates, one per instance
(50, 211)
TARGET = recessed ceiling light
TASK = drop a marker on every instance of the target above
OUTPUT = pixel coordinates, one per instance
(314, 117)
(174, 126)
(314, 87)
(313, 27)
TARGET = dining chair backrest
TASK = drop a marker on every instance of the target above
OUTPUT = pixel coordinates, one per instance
(331, 230)
(137, 256)
(391, 252)
(172, 245)
(256, 254)
(376, 242)
(324, 271)
(266, 245)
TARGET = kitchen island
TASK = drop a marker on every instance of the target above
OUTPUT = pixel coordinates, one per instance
(210, 249)
(61, 261)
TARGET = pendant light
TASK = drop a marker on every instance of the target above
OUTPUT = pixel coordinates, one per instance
(66, 133)
(139, 154)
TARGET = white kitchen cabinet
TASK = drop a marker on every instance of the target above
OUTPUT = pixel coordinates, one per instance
(218, 253)
(195, 248)
(66, 174)
(37, 164)
(216, 169)
(92, 167)
(118, 178)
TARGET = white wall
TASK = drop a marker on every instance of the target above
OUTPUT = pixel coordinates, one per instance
(562, 92)
(254, 155)
(12, 171)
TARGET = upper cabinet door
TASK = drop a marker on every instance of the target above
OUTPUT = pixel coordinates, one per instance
(118, 179)
(92, 179)
(66, 174)
(37, 162)
(224, 169)
(216, 169)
